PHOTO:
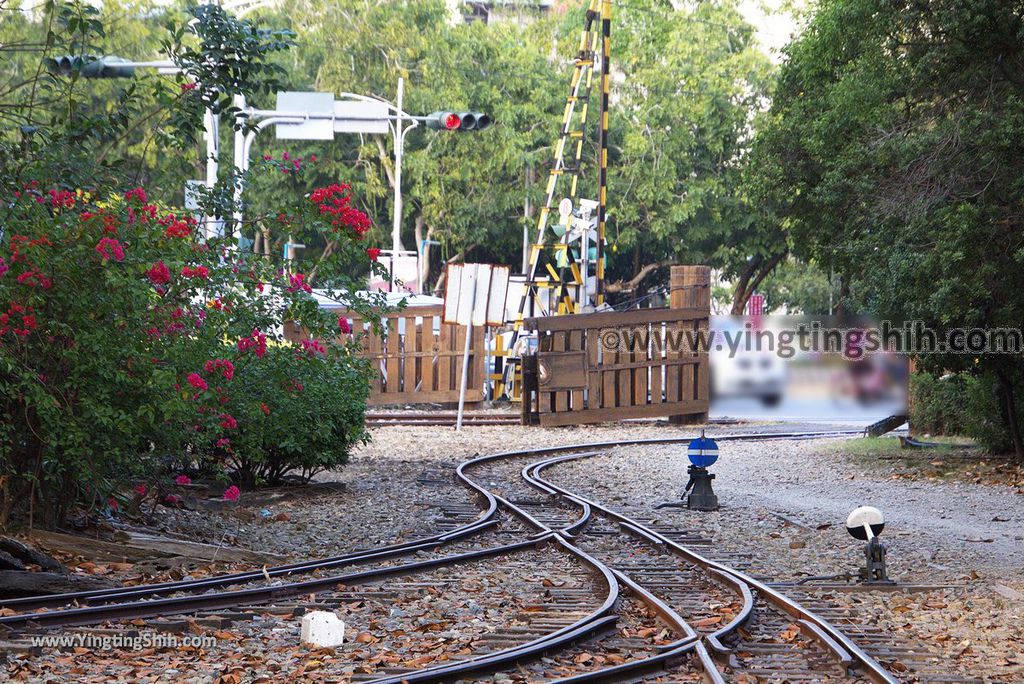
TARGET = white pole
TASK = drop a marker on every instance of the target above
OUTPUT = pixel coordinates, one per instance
(211, 126)
(396, 228)
(465, 352)
(241, 162)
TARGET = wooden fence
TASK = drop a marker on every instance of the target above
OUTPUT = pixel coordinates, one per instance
(419, 358)
(608, 366)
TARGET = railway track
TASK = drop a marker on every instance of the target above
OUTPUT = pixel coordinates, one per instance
(618, 599)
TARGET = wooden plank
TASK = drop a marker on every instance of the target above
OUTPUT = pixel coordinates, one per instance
(408, 359)
(373, 346)
(608, 379)
(394, 384)
(576, 345)
(428, 345)
(562, 370)
(476, 366)
(673, 371)
(594, 376)
(641, 387)
(657, 363)
(612, 319)
(444, 360)
(622, 413)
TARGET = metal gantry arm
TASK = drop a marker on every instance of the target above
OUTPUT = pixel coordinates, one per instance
(265, 118)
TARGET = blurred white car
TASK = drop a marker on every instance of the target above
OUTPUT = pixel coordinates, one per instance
(748, 373)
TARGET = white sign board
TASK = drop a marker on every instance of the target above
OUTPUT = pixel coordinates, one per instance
(309, 103)
(360, 117)
(474, 294)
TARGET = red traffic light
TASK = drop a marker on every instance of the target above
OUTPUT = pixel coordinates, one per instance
(452, 121)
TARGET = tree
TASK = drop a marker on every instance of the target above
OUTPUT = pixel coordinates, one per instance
(895, 148)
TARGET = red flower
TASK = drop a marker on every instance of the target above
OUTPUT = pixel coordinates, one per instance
(313, 347)
(226, 367)
(335, 200)
(4, 268)
(232, 493)
(172, 500)
(200, 272)
(298, 282)
(343, 326)
(112, 503)
(264, 408)
(257, 342)
(223, 443)
(159, 274)
(137, 194)
(185, 87)
(140, 489)
(228, 422)
(373, 253)
(62, 199)
(110, 248)
(183, 480)
(197, 381)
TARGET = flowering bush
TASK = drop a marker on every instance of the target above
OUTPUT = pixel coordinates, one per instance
(296, 408)
(112, 348)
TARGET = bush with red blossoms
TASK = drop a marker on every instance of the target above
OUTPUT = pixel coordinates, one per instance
(130, 346)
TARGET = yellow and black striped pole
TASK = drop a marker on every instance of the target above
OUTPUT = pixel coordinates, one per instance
(580, 83)
(602, 144)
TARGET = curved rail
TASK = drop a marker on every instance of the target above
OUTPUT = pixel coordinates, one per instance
(827, 634)
(100, 596)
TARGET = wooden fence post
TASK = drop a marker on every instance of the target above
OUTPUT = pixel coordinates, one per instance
(690, 287)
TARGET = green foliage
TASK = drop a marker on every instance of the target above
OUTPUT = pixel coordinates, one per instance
(121, 332)
(961, 404)
(301, 411)
(895, 156)
(938, 405)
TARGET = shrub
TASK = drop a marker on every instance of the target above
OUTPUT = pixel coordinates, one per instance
(297, 410)
(938, 404)
(962, 403)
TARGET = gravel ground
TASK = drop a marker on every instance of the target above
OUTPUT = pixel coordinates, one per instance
(785, 504)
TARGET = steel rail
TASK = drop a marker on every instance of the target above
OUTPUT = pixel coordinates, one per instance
(824, 628)
(600, 619)
(97, 596)
(187, 604)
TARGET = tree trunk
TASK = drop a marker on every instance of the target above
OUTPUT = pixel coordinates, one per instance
(753, 275)
(439, 288)
(1008, 401)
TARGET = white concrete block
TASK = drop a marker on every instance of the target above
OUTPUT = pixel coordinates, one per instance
(322, 630)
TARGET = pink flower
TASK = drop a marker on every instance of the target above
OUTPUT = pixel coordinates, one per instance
(183, 480)
(172, 500)
(112, 503)
(223, 443)
(110, 248)
(197, 381)
(136, 193)
(228, 422)
(298, 282)
(343, 325)
(140, 489)
(313, 347)
(373, 253)
(4, 268)
(257, 342)
(226, 367)
(265, 408)
(159, 274)
(232, 493)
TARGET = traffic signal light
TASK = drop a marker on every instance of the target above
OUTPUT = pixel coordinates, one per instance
(458, 121)
(90, 66)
